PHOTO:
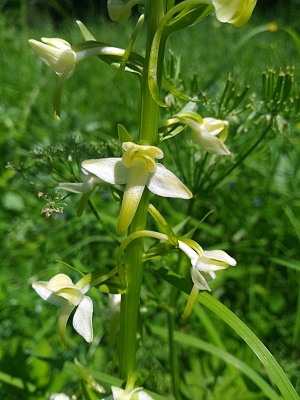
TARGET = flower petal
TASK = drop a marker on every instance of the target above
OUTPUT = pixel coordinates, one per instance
(41, 288)
(164, 183)
(236, 12)
(82, 320)
(199, 280)
(110, 170)
(60, 281)
(144, 396)
(210, 143)
(136, 183)
(220, 255)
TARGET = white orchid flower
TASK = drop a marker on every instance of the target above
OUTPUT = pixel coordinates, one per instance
(137, 169)
(206, 131)
(62, 58)
(204, 261)
(61, 291)
(236, 12)
(56, 53)
(132, 394)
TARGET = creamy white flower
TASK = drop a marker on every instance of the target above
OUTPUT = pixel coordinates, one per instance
(137, 169)
(56, 53)
(207, 262)
(236, 12)
(61, 291)
(133, 394)
(59, 396)
(206, 131)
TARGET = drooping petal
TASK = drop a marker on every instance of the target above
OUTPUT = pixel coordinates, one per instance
(41, 288)
(110, 170)
(82, 320)
(127, 394)
(199, 280)
(144, 396)
(210, 143)
(137, 179)
(164, 183)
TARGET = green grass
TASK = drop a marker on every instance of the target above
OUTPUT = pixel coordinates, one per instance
(256, 213)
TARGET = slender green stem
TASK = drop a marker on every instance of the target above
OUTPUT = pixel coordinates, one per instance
(173, 356)
(134, 252)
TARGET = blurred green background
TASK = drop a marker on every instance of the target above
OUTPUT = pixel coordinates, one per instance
(256, 211)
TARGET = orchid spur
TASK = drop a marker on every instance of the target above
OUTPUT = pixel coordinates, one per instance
(137, 169)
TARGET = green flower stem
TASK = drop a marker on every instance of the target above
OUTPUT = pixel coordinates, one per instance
(150, 109)
(134, 252)
(175, 370)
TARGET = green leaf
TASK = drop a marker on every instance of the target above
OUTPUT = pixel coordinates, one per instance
(190, 341)
(274, 370)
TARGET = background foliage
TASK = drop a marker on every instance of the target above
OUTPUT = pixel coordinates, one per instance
(255, 218)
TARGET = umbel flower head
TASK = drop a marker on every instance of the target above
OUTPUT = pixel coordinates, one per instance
(61, 291)
(137, 169)
(235, 12)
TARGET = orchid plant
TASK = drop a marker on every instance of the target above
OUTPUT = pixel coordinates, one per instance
(136, 176)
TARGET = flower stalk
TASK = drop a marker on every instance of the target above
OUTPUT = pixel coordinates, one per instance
(134, 252)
